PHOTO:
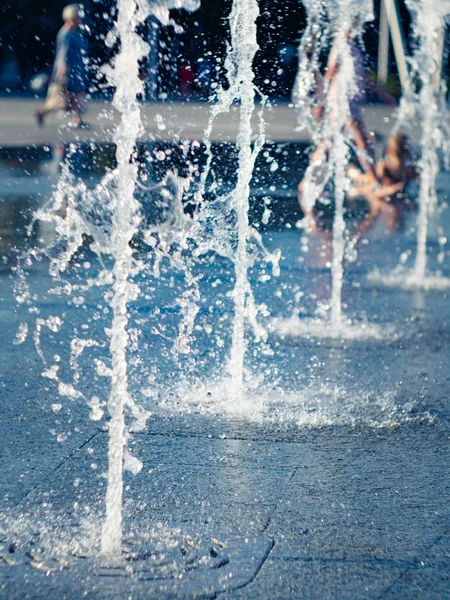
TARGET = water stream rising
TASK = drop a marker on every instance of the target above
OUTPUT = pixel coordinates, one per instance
(124, 76)
(236, 241)
(244, 47)
(339, 22)
(426, 97)
(108, 215)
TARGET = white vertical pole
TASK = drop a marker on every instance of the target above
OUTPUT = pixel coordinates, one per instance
(398, 40)
(383, 45)
(439, 56)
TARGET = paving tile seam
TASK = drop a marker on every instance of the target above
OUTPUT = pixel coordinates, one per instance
(233, 438)
(212, 437)
(61, 464)
(224, 465)
(417, 562)
(276, 503)
(337, 432)
(412, 564)
(254, 576)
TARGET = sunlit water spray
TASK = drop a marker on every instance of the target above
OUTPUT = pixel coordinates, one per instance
(244, 47)
(324, 106)
(424, 100)
(109, 215)
(428, 96)
(124, 76)
(236, 244)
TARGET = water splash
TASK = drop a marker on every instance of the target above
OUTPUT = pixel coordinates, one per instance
(306, 406)
(425, 98)
(109, 215)
(239, 60)
(340, 21)
(124, 76)
(409, 279)
(161, 9)
(295, 326)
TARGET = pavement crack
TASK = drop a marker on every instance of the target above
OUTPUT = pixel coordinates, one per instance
(59, 465)
(276, 502)
(415, 564)
(255, 574)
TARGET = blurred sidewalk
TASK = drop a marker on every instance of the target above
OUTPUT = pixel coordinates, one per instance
(162, 121)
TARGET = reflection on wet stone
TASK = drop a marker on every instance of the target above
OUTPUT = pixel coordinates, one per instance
(201, 394)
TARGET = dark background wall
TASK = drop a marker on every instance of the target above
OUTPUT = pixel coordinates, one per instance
(189, 62)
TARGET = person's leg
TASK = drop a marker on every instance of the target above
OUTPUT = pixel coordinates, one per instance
(74, 108)
(56, 100)
(315, 172)
(365, 151)
(392, 216)
(42, 112)
(40, 116)
(368, 221)
(311, 187)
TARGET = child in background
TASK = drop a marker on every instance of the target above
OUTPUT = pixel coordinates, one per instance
(387, 199)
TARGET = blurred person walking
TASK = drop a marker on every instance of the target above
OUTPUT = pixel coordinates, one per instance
(68, 82)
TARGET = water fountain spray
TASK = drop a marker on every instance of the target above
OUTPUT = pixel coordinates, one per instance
(243, 41)
(109, 215)
(124, 75)
(235, 243)
(426, 96)
(341, 22)
(308, 77)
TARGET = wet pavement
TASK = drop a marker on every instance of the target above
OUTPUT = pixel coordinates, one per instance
(242, 506)
(332, 481)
